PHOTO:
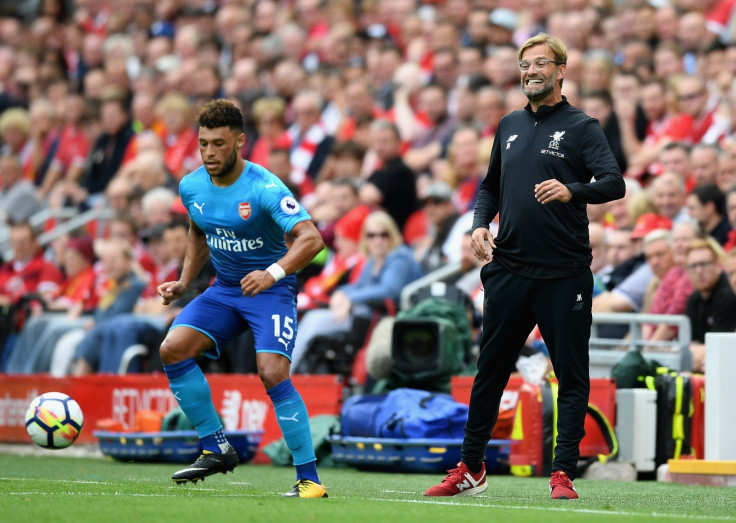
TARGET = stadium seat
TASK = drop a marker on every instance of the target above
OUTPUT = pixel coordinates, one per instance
(129, 356)
(63, 356)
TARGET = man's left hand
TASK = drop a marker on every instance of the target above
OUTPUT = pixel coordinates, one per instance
(551, 190)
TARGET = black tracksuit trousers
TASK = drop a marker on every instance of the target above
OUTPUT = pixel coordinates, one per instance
(513, 304)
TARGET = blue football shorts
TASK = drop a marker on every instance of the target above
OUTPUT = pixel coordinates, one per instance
(222, 313)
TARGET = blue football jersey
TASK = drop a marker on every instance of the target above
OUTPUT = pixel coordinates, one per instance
(244, 222)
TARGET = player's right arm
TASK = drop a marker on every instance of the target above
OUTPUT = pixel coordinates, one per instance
(196, 256)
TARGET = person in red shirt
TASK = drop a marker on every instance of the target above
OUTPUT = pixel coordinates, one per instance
(491, 107)
(675, 288)
(694, 100)
(344, 265)
(466, 170)
(181, 145)
(123, 227)
(27, 274)
(360, 104)
(663, 127)
(74, 144)
(268, 114)
(76, 295)
(675, 158)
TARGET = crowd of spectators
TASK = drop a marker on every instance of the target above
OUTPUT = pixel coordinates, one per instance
(380, 116)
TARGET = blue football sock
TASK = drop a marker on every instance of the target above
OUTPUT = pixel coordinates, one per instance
(307, 471)
(292, 417)
(216, 442)
(192, 392)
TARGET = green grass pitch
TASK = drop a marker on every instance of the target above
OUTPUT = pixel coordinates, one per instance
(48, 487)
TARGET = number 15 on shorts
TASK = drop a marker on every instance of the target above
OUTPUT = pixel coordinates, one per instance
(283, 330)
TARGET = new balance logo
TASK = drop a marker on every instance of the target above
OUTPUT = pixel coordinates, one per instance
(578, 305)
(199, 207)
(468, 482)
(292, 418)
(511, 139)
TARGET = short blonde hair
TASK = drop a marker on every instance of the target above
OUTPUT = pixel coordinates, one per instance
(554, 43)
(385, 221)
(173, 102)
(709, 243)
(268, 105)
(15, 117)
(639, 204)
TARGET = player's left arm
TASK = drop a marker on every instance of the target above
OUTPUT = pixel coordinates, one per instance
(306, 245)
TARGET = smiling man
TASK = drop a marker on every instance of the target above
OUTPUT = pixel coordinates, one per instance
(238, 214)
(539, 181)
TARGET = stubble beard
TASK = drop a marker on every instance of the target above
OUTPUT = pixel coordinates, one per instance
(544, 91)
(227, 166)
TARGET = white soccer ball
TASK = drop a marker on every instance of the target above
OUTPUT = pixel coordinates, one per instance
(54, 420)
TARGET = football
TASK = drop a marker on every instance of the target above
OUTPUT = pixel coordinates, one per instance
(54, 420)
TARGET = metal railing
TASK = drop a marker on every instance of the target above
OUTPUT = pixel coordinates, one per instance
(606, 352)
(75, 222)
(44, 215)
(69, 218)
(428, 279)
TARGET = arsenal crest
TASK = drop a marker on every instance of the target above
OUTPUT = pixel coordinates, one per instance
(244, 210)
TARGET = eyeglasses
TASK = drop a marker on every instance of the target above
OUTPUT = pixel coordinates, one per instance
(691, 96)
(699, 265)
(539, 64)
(371, 235)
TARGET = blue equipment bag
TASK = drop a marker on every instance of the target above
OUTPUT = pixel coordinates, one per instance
(404, 414)
(359, 413)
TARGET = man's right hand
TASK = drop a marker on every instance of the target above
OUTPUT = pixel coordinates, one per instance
(171, 291)
(480, 236)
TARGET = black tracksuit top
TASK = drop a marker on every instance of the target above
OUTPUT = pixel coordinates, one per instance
(561, 142)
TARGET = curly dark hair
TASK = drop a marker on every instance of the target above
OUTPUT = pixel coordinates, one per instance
(221, 113)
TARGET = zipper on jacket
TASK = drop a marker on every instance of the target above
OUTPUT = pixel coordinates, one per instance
(531, 135)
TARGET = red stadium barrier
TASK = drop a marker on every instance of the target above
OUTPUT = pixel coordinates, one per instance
(697, 432)
(239, 398)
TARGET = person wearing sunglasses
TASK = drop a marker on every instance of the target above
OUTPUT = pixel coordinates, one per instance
(539, 182)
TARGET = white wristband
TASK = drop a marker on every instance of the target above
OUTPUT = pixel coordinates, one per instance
(277, 271)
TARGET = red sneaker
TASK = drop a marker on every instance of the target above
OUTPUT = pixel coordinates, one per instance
(560, 486)
(460, 482)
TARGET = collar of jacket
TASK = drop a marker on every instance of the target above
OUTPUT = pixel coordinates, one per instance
(546, 110)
